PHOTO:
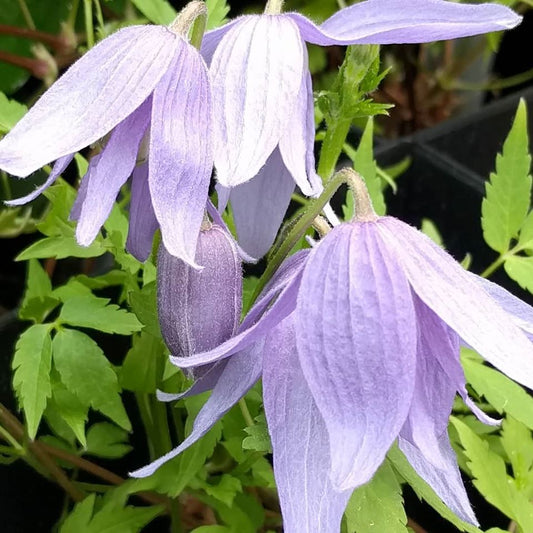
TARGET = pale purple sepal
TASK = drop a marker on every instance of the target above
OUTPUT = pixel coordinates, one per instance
(212, 38)
(521, 313)
(95, 94)
(143, 223)
(112, 170)
(200, 309)
(180, 160)
(297, 143)
(309, 503)
(59, 167)
(281, 290)
(239, 375)
(257, 70)
(357, 345)
(453, 295)
(406, 21)
(445, 481)
(75, 212)
(259, 206)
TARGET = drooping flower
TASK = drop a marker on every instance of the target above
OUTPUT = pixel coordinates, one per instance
(360, 349)
(142, 82)
(264, 120)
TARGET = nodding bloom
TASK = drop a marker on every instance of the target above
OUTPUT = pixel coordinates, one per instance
(142, 87)
(361, 349)
(264, 120)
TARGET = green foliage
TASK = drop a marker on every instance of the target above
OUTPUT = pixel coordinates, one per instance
(107, 440)
(93, 515)
(38, 298)
(217, 11)
(378, 505)
(87, 373)
(97, 313)
(258, 437)
(507, 197)
(11, 112)
(31, 380)
(156, 11)
(500, 391)
(491, 478)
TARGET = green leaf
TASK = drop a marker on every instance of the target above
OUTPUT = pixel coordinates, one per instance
(365, 165)
(144, 304)
(38, 299)
(97, 313)
(70, 410)
(258, 436)
(156, 11)
(211, 529)
(378, 505)
(107, 440)
(31, 380)
(521, 270)
(225, 490)
(428, 228)
(424, 491)
(518, 445)
(491, 477)
(143, 367)
(500, 391)
(216, 13)
(507, 196)
(59, 247)
(112, 517)
(11, 112)
(87, 373)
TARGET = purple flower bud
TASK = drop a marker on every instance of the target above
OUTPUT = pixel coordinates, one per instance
(199, 309)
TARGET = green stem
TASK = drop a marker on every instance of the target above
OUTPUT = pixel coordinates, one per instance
(494, 85)
(163, 443)
(198, 30)
(298, 230)
(10, 439)
(89, 26)
(99, 15)
(246, 413)
(176, 525)
(332, 148)
(494, 266)
(143, 403)
(26, 14)
(73, 13)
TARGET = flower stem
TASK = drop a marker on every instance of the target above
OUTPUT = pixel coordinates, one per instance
(71, 21)
(35, 35)
(494, 266)
(332, 146)
(26, 14)
(246, 413)
(274, 7)
(191, 20)
(298, 230)
(89, 26)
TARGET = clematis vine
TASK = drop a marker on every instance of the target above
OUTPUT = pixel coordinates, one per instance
(146, 90)
(358, 347)
(264, 114)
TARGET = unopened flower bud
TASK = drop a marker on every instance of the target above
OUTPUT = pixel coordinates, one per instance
(199, 309)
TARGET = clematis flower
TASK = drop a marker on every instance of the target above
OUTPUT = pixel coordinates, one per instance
(264, 120)
(142, 82)
(359, 350)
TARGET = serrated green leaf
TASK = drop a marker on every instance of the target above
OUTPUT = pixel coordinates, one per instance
(15, 221)
(518, 445)
(107, 440)
(70, 409)
(144, 304)
(98, 313)
(491, 477)
(31, 380)
(525, 239)
(156, 11)
(258, 436)
(365, 165)
(246, 515)
(378, 505)
(72, 289)
(429, 229)
(11, 112)
(143, 366)
(500, 391)
(216, 13)
(60, 247)
(38, 298)
(225, 490)
(507, 197)
(521, 270)
(424, 491)
(110, 518)
(87, 373)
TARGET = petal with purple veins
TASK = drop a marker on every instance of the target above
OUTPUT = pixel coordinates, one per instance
(309, 503)
(406, 21)
(257, 70)
(94, 95)
(259, 206)
(143, 223)
(114, 167)
(356, 339)
(181, 160)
